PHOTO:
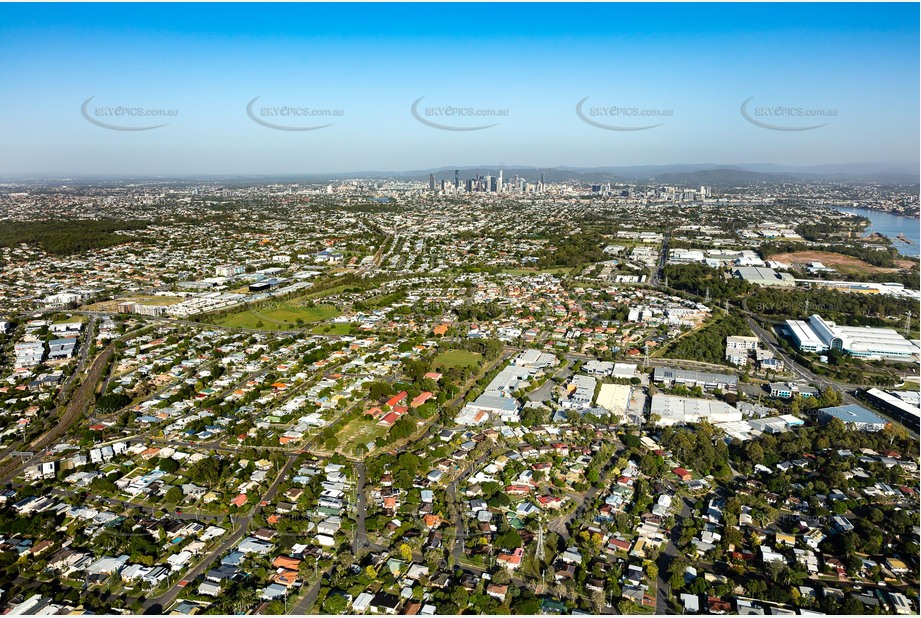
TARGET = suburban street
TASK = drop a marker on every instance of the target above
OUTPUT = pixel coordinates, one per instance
(160, 604)
(361, 508)
(665, 559)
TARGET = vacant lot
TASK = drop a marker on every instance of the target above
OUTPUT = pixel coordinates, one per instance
(845, 264)
(280, 316)
(458, 358)
(360, 431)
(110, 305)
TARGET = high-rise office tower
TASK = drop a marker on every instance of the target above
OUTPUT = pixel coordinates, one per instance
(499, 183)
(456, 178)
(431, 182)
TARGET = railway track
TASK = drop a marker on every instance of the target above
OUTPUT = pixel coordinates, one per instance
(73, 411)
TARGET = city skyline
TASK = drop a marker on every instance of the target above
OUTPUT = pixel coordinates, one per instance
(439, 309)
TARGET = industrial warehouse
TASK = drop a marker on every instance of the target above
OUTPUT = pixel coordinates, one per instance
(819, 335)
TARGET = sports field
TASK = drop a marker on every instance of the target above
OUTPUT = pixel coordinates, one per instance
(458, 358)
(279, 316)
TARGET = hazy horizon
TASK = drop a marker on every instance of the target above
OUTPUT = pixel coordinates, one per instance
(237, 89)
(638, 169)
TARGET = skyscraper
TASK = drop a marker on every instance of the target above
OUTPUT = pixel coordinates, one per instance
(456, 178)
(499, 182)
(431, 182)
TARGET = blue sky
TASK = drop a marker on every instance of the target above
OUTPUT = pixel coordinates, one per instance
(537, 61)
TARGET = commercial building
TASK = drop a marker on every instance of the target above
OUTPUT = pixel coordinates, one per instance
(141, 309)
(505, 408)
(509, 380)
(581, 392)
(738, 348)
(764, 276)
(598, 368)
(61, 348)
(229, 270)
(785, 390)
(766, 360)
(264, 285)
(675, 410)
(854, 416)
(819, 335)
(497, 401)
(705, 380)
(29, 354)
(685, 256)
(535, 359)
(904, 406)
(615, 398)
(749, 429)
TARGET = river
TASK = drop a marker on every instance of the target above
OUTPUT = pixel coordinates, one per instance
(891, 226)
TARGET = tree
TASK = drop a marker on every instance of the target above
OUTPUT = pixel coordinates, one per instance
(334, 604)
(676, 581)
(112, 402)
(502, 578)
(755, 452)
(380, 390)
(168, 465)
(776, 571)
(460, 597)
(174, 495)
(509, 539)
(627, 607)
(406, 552)
(698, 586)
(895, 432)
(526, 604)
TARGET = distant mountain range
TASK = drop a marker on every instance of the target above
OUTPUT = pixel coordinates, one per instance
(692, 174)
